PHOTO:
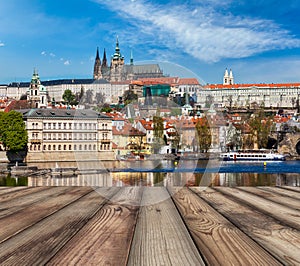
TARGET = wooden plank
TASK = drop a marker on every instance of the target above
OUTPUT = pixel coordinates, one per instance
(161, 237)
(29, 215)
(11, 195)
(37, 244)
(281, 241)
(219, 241)
(282, 191)
(37, 195)
(107, 237)
(286, 215)
(4, 190)
(297, 189)
(283, 200)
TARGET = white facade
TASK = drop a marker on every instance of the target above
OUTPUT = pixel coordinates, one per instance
(243, 96)
(57, 131)
(56, 89)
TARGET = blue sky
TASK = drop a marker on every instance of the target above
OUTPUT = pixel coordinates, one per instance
(259, 40)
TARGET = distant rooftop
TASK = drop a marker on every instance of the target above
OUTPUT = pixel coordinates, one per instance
(60, 82)
(62, 113)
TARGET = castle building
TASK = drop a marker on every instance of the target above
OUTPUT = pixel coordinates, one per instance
(228, 94)
(119, 71)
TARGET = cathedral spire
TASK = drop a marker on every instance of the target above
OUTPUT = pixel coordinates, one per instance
(97, 66)
(104, 60)
(97, 54)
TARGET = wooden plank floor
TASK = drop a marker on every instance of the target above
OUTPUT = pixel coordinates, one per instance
(145, 226)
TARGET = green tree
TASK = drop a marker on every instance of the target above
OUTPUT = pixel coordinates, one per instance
(260, 128)
(129, 96)
(203, 134)
(13, 133)
(106, 108)
(158, 132)
(100, 98)
(69, 97)
(89, 95)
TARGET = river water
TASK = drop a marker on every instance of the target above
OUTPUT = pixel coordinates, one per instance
(162, 173)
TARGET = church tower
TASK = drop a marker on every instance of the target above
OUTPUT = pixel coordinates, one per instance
(228, 78)
(97, 66)
(231, 82)
(37, 94)
(117, 64)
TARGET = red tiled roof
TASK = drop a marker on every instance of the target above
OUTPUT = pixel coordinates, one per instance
(16, 105)
(188, 81)
(127, 130)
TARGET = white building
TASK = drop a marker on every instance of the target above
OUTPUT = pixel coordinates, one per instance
(67, 135)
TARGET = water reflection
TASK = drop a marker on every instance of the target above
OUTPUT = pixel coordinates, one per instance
(120, 179)
(13, 181)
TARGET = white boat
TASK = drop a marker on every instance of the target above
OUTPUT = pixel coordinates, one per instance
(252, 155)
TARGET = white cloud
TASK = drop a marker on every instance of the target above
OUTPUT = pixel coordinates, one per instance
(52, 54)
(67, 62)
(2, 44)
(43, 53)
(208, 35)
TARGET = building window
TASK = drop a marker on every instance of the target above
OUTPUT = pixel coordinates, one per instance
(49, 147)
(65, 125)
(65, 147)
(75, 147)
(54, 147)
(59, 147)
(59, 125)
(70, 147)
(44, 147)
(80, 147)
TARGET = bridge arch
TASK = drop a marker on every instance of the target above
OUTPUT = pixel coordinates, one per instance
(298, 147)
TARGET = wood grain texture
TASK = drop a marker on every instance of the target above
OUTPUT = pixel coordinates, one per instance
(297, 189)
(219, 241)
(161, 237)
(20, 194)
(277, 198)
(282, 191)
(4, 190)
(37, 244)
(10, 206)
(106, 238)
(281, 241)
(288, 216)
(14, 222)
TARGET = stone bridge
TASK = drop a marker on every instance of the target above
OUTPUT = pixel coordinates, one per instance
(290, 144)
